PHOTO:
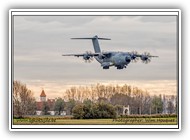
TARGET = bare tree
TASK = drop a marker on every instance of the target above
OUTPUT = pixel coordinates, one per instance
(140, 101)
(170, 107)
(23, 101)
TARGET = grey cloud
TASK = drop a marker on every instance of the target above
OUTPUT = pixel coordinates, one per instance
(40, 41)
(162, 19)
(65, 20)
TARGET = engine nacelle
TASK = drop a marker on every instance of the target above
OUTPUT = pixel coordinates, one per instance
(144, 57)
(86, 57)
(101, 56)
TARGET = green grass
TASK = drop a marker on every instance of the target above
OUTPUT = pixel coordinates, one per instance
(119, 121)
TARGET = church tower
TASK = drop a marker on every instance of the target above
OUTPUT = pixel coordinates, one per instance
(43, 96)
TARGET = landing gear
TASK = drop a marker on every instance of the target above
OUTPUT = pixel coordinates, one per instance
(106, 67)
(120, 67)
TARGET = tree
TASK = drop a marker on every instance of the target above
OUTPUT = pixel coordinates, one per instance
(146, 103)
(69, 106)
(176, 105)
(78, 112)
(170, 107)
(23, 101)
(59, 105)
(105, 110)
(119, 109)
(45, 108)
(157, 104)
(103, 99)
(88, 109)
(120, 99)
(140, 101)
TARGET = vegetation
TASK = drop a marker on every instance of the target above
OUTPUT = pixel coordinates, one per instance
(69, 105)
(102, 103)
(132, 120)
(59, 105)
(140, 101)
(90, 110)
(23, 100)
(157, 105)
(45, 108)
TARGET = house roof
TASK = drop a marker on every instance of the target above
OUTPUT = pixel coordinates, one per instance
(50, 103)
(39, 105)
(43, 94)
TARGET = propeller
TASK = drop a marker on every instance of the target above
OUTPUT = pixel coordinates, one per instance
(88, 57)
(134, 57)
(146, 57)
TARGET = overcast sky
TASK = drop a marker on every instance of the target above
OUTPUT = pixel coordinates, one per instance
(39, 42)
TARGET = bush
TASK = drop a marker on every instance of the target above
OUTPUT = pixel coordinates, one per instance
(78, 112)
(94, 111)
(105, 110)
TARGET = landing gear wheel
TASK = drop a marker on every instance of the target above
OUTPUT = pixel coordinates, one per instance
(106, 67)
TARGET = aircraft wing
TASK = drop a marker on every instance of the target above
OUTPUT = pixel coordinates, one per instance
(146, 57)
(138, 55)
(82, 54)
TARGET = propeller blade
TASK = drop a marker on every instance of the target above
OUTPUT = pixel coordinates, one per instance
(134, 57)
(88, 57)
(146, 57)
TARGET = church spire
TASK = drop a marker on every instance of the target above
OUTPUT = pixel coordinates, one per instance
(43, 96)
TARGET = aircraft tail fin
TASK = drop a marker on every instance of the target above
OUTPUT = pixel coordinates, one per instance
(95, 42)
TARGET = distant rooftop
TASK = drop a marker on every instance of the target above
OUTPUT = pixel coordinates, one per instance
(43, 94)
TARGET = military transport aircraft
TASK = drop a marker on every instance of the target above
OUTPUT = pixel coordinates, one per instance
(108, 59)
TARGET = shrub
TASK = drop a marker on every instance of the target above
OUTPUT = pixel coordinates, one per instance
(94, 111)
(78, 112)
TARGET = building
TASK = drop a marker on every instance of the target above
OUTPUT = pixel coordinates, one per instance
(45, 103)
(48, 103)
(43, 96)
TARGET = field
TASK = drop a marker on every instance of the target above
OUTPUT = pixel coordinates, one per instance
(119, 121)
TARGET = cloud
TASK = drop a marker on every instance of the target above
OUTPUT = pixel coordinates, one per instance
(161, 19)
(39, 42)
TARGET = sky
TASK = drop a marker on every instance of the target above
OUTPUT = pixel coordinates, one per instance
(40, 41)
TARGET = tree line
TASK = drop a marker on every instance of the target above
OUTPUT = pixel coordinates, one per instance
(95, 101)
(140, 101)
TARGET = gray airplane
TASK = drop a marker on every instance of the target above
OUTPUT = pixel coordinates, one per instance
(108, 59)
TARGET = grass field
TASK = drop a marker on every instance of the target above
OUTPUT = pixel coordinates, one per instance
(119, 121)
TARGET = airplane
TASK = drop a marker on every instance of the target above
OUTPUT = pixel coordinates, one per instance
(107, 59)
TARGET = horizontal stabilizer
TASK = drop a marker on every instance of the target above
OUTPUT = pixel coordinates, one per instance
(95, 37)
(95, 42)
